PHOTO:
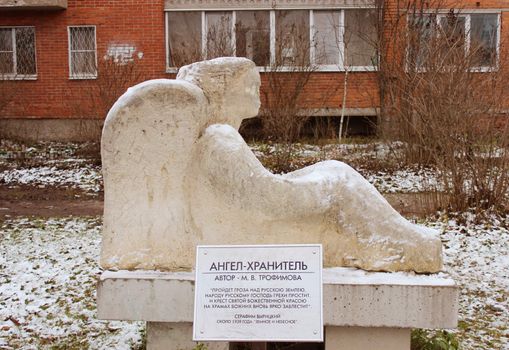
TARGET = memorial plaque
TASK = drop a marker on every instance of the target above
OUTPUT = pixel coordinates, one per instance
(258, 293)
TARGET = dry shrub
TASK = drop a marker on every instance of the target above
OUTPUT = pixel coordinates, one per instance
(114, 77)
(446, 109)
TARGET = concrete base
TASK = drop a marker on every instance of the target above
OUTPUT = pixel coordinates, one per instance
(33, 4)
(77, 130)
(360, 338)
(362, 310)
(176, 336)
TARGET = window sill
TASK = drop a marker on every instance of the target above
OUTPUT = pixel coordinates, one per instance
(484, 70)
(471, 70)
(18, 77)
(83, 77)
(296, 69)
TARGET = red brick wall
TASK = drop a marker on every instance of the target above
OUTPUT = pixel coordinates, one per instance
(141, 23)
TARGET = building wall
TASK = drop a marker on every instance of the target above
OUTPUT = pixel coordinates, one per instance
(53, 94)
(141, 24)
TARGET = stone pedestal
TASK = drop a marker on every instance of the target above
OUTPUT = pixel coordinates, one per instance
(365, 338)
(175, 336)
(362, 310)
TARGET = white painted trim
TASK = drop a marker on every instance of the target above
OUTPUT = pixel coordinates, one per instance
(499, 27)
(272, 37)
(167, 39)
(324, 68)
(9, 76)
(467, 33)
(464, 11)
(341, 41)
(312, 41)
(273, 7)
(81, 76)
(234, 33)
(14, 51)
(204, 33)
(35, 56)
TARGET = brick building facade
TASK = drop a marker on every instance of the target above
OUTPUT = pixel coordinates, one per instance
(66, 41)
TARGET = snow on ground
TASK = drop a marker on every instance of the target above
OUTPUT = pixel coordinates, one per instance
(477, 257)
(48, 274)
(53, 169)
(347, 151)
(407, 180)
(88, 178)
(410, 180)
(83, 176)
(51, 164)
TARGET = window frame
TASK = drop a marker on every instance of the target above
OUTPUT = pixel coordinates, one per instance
(272, 28)
(467, 15)
(15, 75)
(81, 76)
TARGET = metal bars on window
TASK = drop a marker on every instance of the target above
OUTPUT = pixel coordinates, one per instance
(82, 52)
(17, 53)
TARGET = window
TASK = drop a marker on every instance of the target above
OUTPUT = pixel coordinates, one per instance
(82, 53)
(328, 34)
(484, 38)
(421, 31)
(328, 40)
(17, 53)
(184, 37)
(360, 38)
(440, 39)
(219, 34)
(292, 38)
(252, 34)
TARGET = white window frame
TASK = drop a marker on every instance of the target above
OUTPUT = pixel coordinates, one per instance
(81, 76)
(467, 15)
(15, 75)
(272, 27)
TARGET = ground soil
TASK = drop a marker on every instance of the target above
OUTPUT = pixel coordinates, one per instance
(50, 201)
(47, 202)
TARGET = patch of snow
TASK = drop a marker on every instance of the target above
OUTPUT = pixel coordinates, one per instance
(48, 275)
(476, 256)
(48, 281)
(406, 180)
(85, 176)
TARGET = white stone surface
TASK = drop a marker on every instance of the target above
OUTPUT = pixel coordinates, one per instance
(356, 338)
(177, 174)
(176, 336)
(395, 300)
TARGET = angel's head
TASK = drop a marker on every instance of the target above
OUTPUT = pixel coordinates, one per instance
(231, 85)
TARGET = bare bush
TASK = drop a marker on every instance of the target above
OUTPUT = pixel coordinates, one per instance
(114, 76)
(444, 99)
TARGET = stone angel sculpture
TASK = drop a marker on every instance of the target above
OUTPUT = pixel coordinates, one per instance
(177, 173)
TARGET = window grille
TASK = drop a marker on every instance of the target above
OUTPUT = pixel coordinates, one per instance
(17, 53)
(82, 52)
